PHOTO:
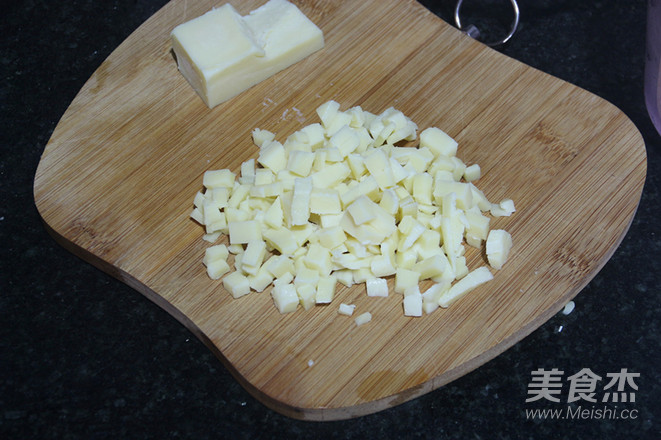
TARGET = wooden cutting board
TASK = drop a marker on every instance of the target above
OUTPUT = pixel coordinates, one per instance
(116, 182)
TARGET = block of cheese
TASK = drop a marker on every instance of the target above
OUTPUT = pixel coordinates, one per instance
(222, 54)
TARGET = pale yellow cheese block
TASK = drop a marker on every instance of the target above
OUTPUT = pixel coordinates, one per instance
(222, 54)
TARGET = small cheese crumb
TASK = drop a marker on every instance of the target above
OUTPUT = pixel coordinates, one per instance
(569, 307)
(498, 246)
(363, 318)
(346, 309)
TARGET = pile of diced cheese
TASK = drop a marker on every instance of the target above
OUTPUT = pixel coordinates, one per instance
(348, 200)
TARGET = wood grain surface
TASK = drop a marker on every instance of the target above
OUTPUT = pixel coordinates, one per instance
(116, 182)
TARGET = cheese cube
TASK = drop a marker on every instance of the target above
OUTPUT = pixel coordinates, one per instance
(346, 309)
(197, 215)
(331, 237)
(285, 297)
(479, 199)
(211, 238)
(330, 175)
(463, 195)
(254, 254)
(217, 268)
(215, 253)
(297, 141)
(389, 201)
(221, 54)
(431, 267)
(429, 307)
(279, 265)
(378, 164)
(330, 220)
(300, 204)
(305, 275)
(405, 278)
(247, 172)
(406, 259)
(300, 162)
(503, 209)
(326, 290)
(361, 210)
(274, 217)
(382, 265)
(366, 140)
(413, 304)
(431, 296)
(422, 188)
(237, 284)
(239, 193)
(333, 154)
(408, 207)
(357, 164)
(344, 277)
(356, 248)
(472, 173)
(362, 274)
(242, 232)
(302, 234)
(235, 249)
(325, 201)
(499, 243)
(452, 231)
(345, 140)
(420, 159)
(367, 233)
(410, 230)
(218, 178)
(340, 120)
(438, 142)
(377, 287)
(318, 258)
(327, 112)
(263, 176)
(315, 135)
(429, 244)
(366, 187)
(260, 280)
(267, 190)
(381, 130)
(281, 239)
(478, 224)
(306, 295)
(261, 137)
(220, 195)
(273, 156)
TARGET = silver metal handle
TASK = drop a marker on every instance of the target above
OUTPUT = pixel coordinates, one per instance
(474, 31)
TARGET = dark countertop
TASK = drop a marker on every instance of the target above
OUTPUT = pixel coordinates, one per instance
(84, 356)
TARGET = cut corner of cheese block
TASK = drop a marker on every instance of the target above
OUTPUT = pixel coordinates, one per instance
(221, 54)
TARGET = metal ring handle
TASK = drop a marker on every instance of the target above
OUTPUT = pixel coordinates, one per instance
(475, 33)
